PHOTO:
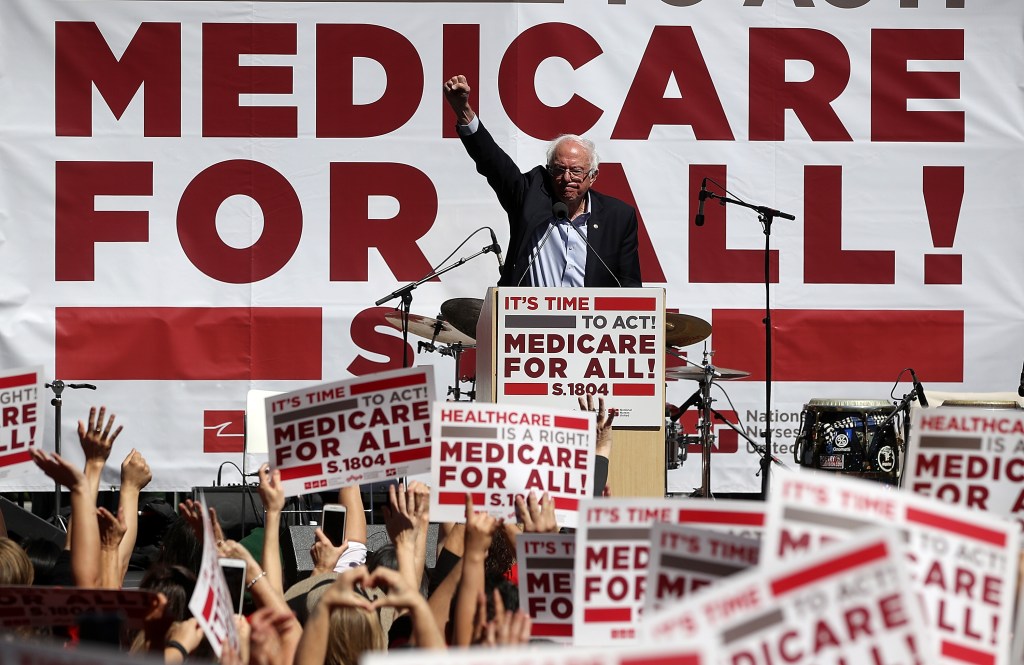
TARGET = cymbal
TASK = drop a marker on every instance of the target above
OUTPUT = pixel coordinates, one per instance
(423, 326)
(697, 373)
(462, 313)
(684, 330)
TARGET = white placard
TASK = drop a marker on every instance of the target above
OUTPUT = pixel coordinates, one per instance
(211, 602)
(351, 432)
(545, 563)
(685, 560)
(556, 345)
(497, 452)
(963, 563)
(22, 412)
(850, 603)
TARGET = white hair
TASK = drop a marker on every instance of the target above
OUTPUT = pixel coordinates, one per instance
(587, 145)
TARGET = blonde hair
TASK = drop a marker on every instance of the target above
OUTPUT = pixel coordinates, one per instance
(15, 567)
(353, 632)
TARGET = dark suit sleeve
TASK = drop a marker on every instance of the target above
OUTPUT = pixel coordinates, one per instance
(493, 163)
(600, 474)
(629, 259)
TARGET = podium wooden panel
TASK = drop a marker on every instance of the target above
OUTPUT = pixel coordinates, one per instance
(637, 463)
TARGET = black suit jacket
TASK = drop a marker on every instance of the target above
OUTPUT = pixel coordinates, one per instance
(527, 198)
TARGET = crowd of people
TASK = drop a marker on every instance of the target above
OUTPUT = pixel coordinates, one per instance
(355, 599)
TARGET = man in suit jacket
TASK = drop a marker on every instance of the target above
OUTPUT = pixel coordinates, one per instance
(592, 241)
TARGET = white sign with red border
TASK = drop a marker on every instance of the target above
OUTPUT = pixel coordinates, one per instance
(211, 603)
(613, 549)
(968, 457)
(22, 412)
(849, 603)
(497, 452)
(963, 563)
(555, 345)
(351, 432)
(685, 560)
(546, 582)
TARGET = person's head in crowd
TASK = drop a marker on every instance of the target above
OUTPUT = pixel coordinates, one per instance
(176, 583)
(354, 631)
(15, 567)
(45, 556)
(181, 547)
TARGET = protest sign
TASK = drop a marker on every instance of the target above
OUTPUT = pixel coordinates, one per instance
(848, 604)
(351, 432)
(60, 606)
(33, 652)
(211, 603)
(685, 560)
(555, 345)
(21, 416)
(963, 563)
(613, 550)
(496, 452)
(682, 653)
(546, 583)
(968, 457)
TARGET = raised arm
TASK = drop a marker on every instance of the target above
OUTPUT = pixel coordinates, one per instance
(272, 495)
(456, 93)
(135, 475)
(85, 534)
(480, 528)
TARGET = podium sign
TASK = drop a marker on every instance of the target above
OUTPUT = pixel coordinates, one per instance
(554, 345)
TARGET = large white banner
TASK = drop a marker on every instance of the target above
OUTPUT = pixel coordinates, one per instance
(202, 198)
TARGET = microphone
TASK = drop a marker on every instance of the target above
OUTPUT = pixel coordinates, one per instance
(699, 219)
(540, 245)
(1020, 390)
(919, 389)
(561, 212)
(496, 248)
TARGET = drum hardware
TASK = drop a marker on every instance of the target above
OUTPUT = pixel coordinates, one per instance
(455, 351)
(463, 313)
(438, 331)
(684, 330)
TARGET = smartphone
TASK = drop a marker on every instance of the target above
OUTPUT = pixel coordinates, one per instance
(234, 574)
(333, 523)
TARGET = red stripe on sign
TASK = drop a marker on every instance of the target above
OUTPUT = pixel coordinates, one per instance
(573, 423)
(690, 516)
(946, 523)
(459, 498)
(303, 471)
(16, 458)
(830, 568)
(842, 345)
(966, 654)
(398, 456)
(208, 605)
(387, 384)
(526, 389)
(625, 304)
(633, 389)
(607, 614)
(565, 503)
(190, 343)
(551, 629)
(688, 658)
(18, 380)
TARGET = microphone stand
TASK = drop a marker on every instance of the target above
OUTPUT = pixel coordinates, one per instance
(58, 386)
(766, 215)
(405, 293)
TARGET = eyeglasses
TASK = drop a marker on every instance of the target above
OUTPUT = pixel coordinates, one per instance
(575, 173)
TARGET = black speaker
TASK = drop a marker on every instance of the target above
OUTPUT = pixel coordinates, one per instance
(22, 524)
(296, 541)
(239, 508)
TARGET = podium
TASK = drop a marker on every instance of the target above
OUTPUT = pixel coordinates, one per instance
(550, 346)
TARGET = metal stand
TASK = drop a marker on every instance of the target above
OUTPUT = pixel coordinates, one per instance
(766, 215)
(58, 386)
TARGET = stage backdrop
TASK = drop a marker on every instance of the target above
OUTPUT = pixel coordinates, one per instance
(199, 198)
